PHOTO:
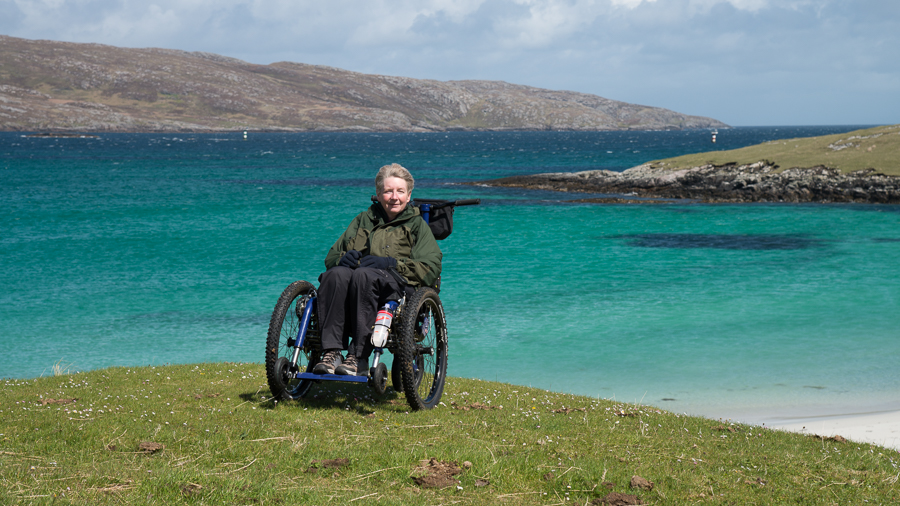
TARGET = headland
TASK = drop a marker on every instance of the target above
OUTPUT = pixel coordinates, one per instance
(861, 166)
(68, 87)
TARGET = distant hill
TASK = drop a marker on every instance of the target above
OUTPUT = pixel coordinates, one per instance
(59, 86)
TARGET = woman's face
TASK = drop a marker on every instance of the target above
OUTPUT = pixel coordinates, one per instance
(394, 197)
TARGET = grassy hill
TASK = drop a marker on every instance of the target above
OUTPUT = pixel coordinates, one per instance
(211, 434)
(877, 148)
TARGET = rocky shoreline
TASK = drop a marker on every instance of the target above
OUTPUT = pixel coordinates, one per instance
(758, 182)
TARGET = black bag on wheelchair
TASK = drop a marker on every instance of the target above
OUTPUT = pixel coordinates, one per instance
(440, 219)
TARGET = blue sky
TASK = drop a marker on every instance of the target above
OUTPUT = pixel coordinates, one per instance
(744, 62)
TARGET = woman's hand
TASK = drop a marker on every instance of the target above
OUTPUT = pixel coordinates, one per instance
(350, 259)
(378, 262)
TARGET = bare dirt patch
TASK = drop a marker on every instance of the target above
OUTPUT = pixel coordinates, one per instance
(618, 499)
(434, 473)
(641, 483)
(327, 464)
(150, 447)
(44, 402)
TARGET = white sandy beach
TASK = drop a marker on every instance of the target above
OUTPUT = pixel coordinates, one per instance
(881, 428)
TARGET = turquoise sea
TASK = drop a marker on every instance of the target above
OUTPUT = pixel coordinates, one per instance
(146, 249)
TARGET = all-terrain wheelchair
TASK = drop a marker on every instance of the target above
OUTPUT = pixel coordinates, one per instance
(416, 334)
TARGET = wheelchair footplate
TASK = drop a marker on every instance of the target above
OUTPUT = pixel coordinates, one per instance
(332, 377)
(362, 375)
(375, 377)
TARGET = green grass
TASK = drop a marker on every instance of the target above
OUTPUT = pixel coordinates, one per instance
(877, 148)
(75, 439)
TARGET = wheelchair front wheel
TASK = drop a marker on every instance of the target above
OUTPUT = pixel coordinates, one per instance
(423, 349)
(283, 329)
(378, 379)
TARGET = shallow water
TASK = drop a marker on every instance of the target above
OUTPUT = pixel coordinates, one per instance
(150, 249)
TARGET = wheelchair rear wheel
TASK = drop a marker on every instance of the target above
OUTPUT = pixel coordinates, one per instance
(423, 349)
(283, 329)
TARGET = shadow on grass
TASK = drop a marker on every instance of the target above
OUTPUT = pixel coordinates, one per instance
(334, 396)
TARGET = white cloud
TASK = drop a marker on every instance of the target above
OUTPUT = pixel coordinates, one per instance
(746, 5)
(681, 54)
(456, 10)
(631, 4)
(547, 21)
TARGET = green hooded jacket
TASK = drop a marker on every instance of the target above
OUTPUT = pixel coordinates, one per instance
(407, 238)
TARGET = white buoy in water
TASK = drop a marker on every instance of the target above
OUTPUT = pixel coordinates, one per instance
(714, 134)
(245, 135)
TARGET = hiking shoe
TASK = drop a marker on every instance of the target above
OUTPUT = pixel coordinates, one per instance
(348, 368)
(326, 365)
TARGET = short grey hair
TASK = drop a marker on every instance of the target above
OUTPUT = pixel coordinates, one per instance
(393, 170)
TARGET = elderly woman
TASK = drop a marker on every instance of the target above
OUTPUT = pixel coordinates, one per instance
(388, 235)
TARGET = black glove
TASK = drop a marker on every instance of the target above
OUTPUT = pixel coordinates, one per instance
(378, 262)
(350, 259)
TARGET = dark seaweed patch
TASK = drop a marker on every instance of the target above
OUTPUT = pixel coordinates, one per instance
(725, 241)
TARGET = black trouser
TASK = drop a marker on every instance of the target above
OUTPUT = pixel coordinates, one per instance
(348, 302)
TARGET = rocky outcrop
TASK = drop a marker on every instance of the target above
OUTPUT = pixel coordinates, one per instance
(758, 182)
(47, 85)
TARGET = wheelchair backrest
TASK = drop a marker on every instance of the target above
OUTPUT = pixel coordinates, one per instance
(438, 214)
